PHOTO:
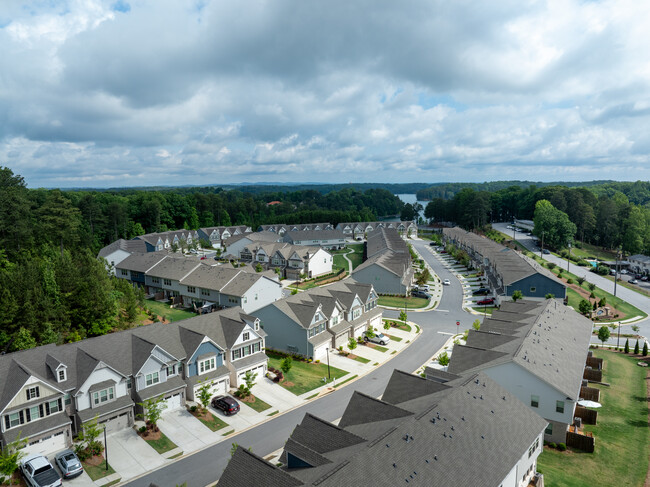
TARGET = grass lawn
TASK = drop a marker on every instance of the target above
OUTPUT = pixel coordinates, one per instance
(589, 251)
(212, 422)
(258, 405)
(357, 257)
(361, 359)
(622, 439)
(162, 445)
(96, 472)
(162, 309)
(484, 309)
(303, 377)
(346, 380)
(394, 338)
(339, 262)
(400, 326)
(399, 302)
(379, 348)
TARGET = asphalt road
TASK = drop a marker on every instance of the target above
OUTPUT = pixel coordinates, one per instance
(204, 467)
(640, 301)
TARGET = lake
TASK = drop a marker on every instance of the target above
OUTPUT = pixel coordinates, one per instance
(412, 198)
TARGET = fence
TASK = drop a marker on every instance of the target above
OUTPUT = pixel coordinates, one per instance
(595, 363)
(593, 375)
(581, 442)
(588, 416)
(590, 393)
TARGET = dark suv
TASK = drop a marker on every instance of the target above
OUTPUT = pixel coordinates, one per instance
(481, 292)
(226, 403)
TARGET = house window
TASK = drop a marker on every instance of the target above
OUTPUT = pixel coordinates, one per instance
(534, 401)
(549, 429)
(171, 371)
(14, 419)
(246, 336)
(32, 393)
(167, 282)
(257, 325)
(207, 365)
(61, 375)
(53, 407)
(124, 272)
(103, 396)
(356, 313)
(155, 280)
(255, 296)
(533, 448)
(559, 406)
(152, 378)
(191, 289)
(205, 292)
(533, 289)
(67, 400)
(236, 354)
(128, 384)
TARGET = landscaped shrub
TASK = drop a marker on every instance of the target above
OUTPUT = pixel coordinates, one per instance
(627, 346)
(561, 446)
(552, 445)
(636, 347)
(142, 429)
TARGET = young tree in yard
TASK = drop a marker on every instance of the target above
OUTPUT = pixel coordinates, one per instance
(443, 359)
(286, 364)
(352, 344)
(627, 345)
(584, 307)
(477, 324)
(153, 409)
(402, 316)
(10, 457)
(249, 379)
(591, 286)
(580, 281)
(603, 302)
(549, 296)
(645, 349)
(603, 334)
(636, 347)
(635, 328)
(517, 295)
(370, 332)
(88, 437)
(204, 393)
(386, 325)
(595, 306)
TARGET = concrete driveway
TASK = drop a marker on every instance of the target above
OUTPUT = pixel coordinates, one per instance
(130, 455)
(185, 430)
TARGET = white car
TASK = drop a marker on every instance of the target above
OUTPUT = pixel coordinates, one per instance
(446, 282)
(423, 287)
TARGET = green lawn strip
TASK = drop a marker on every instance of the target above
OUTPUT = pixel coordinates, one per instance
(163, 444)
(96, 472)
(590, 251)
(395, 339)
(379, 348)
(214, 424)
(303, 376)
(393, 352)
(113, 482)
(361, 359)
(346, 380)
(276, 412)
(400, 302)
(400, 326)
(622, 440)
(258, 405)
(311, 397)
(377, 363)
(175, 456)
(484, 309)
(340, 262)
(163, 309)
(229, 432)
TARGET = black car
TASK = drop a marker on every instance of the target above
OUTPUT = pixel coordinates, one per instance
(227, 404)
(432, 244)
(481, 292)
(420, 294)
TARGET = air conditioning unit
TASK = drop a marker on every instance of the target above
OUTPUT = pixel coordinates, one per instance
(585, 382)
(577, 422)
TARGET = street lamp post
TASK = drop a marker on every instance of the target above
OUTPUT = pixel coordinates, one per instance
(618, 256)
(568, 258)
(618, 339)
(329, 377)
(541, 250)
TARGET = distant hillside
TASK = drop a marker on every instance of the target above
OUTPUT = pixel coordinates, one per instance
(447, 191)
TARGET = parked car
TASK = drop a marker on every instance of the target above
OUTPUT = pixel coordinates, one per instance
(420, 294)
(379, 338)
(485, 302)
(69, 464)
(446, 282)
(481, 292)
(423, 287)
(644, 278)
(546, 251)
(38, 472)
(432, 244)
(633, 281)
(227, 404)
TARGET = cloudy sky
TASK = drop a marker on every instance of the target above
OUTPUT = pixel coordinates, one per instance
(131, 92)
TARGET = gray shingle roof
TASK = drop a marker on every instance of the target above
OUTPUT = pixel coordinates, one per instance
(246, 469)
(403, 387)
(174, 268)
(129, 246)
(41, 426)
(120, 403)
(141, 262)
(364, 409)
(302, 235)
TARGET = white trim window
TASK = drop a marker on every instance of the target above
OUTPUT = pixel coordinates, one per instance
(246, 336)
(207, 365)
(105, 395)
(33, 393)
(61, 375)
(151, 379)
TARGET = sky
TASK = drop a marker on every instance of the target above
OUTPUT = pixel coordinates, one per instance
(173, 92)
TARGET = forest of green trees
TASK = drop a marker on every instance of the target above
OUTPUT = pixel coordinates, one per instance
(610, 215)
(54, 289)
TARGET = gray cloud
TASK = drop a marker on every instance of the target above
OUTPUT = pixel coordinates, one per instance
(106, 93)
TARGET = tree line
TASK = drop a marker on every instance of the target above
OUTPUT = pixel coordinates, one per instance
(601, 215)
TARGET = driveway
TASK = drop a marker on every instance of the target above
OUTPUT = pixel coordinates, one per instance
(130, 455)
(185, 430)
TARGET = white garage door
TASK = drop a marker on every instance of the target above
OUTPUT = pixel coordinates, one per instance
(320, 352)
(116, 423)
(259, 370)
(173, 402)
(359, 331)
(48, 445)
(218, 388)
(376, 322)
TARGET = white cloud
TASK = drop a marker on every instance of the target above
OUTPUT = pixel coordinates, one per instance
(166, 92)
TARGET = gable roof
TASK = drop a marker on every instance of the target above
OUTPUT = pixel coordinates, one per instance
(364, 409)
(141, 262)
(129, 246)
(245, 469)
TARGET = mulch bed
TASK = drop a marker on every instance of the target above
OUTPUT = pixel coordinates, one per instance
(251, 399)
(614, 313)
(150, 435)
(95, 460)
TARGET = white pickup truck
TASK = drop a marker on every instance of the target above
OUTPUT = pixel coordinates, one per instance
(38, 472)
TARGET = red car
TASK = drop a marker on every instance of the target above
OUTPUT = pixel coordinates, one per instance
(485, 302)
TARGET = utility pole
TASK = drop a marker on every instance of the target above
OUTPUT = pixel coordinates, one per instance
(541, 250)
(618, 255)
(568, 259)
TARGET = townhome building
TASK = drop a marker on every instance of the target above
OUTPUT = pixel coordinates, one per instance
(327, 239)
(119, 250)
(387, 264)
(201, 284)
(537, 350)
(361, 230)
(218, 235)
(506, 270)
(467, 430)
(293, 261)
(169, 240)
(311, 322)
(281, 229)
(48, 393)
(236, 244)
(639, 264)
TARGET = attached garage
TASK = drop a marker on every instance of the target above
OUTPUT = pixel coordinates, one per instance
(116, 422)
(376, 322)
(260, 370)
(342, 339)
(320, 352)
(48, 444)
(219, 386)
(173, 401)
(358, 331)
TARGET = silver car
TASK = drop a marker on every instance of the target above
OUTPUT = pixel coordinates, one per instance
(69, 464)
(379, 338)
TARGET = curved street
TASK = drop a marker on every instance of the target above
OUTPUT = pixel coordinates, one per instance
(204, 467)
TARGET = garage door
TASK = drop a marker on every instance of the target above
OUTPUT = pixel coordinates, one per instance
(342, 340)
(173, 402)
(218, 388)
(256, 370)
(48, 445)
(376, 322)
(116, 423)
(320, 352)
(359, 331)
